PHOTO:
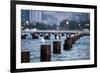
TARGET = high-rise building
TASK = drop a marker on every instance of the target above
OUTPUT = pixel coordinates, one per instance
(35, 16)
(51, 17)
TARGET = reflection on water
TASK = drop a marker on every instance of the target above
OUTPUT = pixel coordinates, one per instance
(80, 50)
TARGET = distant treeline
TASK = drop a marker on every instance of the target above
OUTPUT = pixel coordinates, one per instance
(62, 26)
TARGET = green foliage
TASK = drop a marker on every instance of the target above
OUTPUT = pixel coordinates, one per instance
(72, 25)
(40, 26)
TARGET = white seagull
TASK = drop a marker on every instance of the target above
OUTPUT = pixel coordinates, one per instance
(57, 37)
(42, 40)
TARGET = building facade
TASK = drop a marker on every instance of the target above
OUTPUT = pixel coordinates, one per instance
(36, 16)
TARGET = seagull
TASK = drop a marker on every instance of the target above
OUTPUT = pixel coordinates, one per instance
(57, 37)
(72, 35)
(42, 40)
(65, 37)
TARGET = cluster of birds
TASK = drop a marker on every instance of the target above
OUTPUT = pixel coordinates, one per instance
(57, 36)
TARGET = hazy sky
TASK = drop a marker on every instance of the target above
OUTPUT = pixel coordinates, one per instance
(57, 17)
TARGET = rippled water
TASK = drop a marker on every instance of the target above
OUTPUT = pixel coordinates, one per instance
(80, 50)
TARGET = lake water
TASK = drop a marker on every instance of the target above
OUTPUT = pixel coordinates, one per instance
(80, 50)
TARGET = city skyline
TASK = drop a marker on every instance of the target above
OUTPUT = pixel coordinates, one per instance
(53, 17)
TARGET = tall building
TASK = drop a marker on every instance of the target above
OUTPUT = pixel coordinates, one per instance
(51, 17)
(35, 16)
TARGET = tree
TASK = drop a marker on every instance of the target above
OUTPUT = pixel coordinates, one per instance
(73, 25)
(63, 25)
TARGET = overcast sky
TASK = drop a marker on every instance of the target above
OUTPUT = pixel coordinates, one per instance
(57, 17)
